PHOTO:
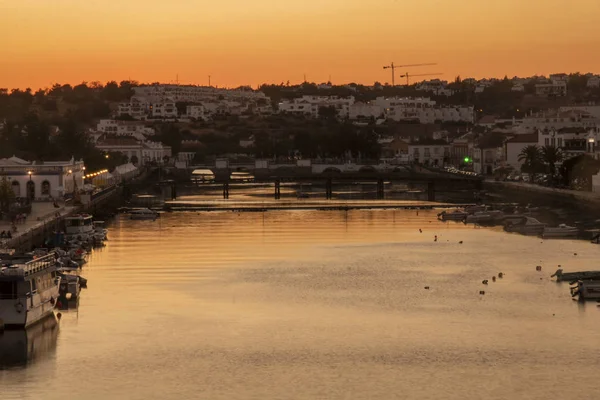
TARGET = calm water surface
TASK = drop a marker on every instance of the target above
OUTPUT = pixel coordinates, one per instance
(316, 305)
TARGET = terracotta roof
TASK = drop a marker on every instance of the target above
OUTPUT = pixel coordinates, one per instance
(525, 138)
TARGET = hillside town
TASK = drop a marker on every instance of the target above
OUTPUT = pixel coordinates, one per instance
(433, 123)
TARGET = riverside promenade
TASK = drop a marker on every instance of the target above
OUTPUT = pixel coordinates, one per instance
(44, 218)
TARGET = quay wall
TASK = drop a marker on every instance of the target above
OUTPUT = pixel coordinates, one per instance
(35, 234)
(526, 193)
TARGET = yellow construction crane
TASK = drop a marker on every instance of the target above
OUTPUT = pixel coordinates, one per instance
(407, 76)
(393, 68)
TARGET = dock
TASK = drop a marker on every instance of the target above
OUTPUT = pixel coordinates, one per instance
(304, 205)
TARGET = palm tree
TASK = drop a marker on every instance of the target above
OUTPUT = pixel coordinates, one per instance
(531, 157)
(552, 155)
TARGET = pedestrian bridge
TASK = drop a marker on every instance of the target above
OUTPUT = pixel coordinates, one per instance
(269, 170)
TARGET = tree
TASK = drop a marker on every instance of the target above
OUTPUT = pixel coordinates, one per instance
(134, 160)
(531, 157)
(551, 155)
(577, 172)
(6, 194)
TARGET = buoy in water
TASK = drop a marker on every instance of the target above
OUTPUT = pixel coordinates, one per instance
(461, 242)
(538, 268)
(485, 281)
(482, 292)
(500, 275)
(493, 279)
(426, 287)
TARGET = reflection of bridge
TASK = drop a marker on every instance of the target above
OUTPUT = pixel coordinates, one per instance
(330, 173)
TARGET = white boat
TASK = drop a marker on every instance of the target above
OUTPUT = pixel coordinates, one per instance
(80, 226)
(144, 213)
(28, 292)
(526, 226)
(455, 215)
(586, 290)
(561, 231)
(485, 216)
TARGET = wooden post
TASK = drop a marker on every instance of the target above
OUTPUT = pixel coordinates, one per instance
(226, 190)
(329, 189)
(380, 189)
(277, 189)
(431, 191)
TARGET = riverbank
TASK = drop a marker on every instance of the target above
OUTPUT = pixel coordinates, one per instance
(541, 195)
(301, 204)
(42, 221)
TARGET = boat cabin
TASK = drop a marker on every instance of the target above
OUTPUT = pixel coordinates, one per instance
(79, 224)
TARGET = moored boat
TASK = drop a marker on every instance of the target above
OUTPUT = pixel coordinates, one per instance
(561, 231)
(575, 276)
(586, 290)
(526, 226)
(485, 217)
(28, 292)
(455, 215)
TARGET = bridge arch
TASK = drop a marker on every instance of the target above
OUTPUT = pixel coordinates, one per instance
(332, 170)
(367, 168)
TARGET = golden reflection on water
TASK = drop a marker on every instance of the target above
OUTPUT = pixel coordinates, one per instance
(316, 304)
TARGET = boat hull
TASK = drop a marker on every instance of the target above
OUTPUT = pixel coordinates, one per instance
(24, 312)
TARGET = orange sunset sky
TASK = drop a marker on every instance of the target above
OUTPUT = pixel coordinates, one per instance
(256, 41)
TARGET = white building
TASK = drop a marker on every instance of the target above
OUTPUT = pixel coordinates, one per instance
(42, 180)
(593, 82)
(128, 146)
(518, 88)
(198, 111)
(556, 89)
(165, 109)
(423, 110)
(196, 94)
(429, 152)
(515, 145)
(310, 105)
(135, 108)
(124, 128)
(155, 152)
(592, 111)
(572, 141)
(558, 120)
(360, 110)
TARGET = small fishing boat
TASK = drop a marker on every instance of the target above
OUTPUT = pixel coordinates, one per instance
(485, 217)
(144, 213)
(455, 215)
(586, 290)
(526, 226)
(561, 231)
(70, 286)
(575, 276)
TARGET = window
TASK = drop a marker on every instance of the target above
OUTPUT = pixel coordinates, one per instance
(416, 151)
(547, 141)
(436, 150)
(427, 153)
(45, 188)
(560, 143)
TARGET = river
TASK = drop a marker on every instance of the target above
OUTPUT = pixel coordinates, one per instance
(316, 305)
